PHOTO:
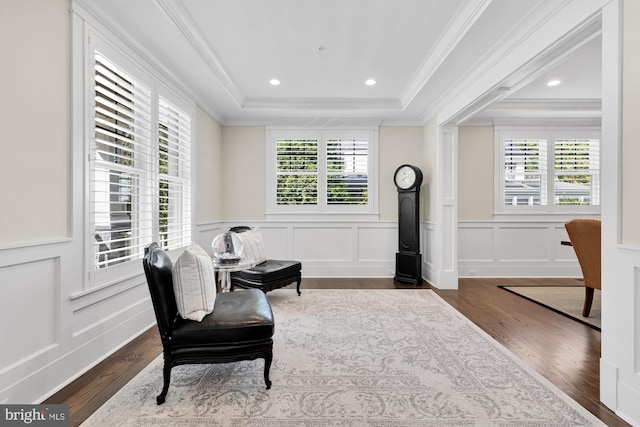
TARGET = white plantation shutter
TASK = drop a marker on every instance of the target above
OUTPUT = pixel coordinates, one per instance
(577, 172)
(174, 183)
(347, 172)
(140, 168)
(121, 208)
(328, 172)
(525, 172)
(297, 171)
(555, 170)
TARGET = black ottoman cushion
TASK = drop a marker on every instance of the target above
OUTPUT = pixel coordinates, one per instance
(270, 270)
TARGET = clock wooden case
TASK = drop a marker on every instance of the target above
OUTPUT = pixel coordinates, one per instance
(408, 180)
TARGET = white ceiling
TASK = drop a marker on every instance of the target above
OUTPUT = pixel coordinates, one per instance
(421, 53)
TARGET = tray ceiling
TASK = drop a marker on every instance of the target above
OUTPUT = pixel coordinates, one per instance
(224, 53)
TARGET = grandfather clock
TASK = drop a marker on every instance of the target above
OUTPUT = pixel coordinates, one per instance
(408, 179)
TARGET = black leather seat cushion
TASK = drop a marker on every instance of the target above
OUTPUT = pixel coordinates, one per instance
(237, 317)
(269, 270)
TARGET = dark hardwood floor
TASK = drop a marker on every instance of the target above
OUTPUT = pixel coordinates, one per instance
(564, 351)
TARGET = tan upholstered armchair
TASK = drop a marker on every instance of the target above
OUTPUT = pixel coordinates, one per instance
(585, 236)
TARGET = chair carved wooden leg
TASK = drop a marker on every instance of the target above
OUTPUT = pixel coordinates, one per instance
(166, 371)
(588, 300)
(267, 366)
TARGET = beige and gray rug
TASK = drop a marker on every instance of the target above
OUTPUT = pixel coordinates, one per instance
(566, 300)
(390, 358)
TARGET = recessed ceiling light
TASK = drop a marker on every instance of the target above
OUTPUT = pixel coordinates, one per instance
(553, 83)
(370, 82)
(274, 82)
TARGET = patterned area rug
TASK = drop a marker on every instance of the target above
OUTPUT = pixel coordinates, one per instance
(390, 358)
(566, 300)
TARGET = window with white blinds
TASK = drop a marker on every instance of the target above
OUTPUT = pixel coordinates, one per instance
(550, 169)
(347, 172)
(297, 171)
(140, 186)
(577, 172)
(525, 171)
(321, 172)
(174, 183)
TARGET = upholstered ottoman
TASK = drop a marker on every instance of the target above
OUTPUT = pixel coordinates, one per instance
(269, 275)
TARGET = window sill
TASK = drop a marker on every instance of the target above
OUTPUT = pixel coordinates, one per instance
(545, 216)
(322, 217)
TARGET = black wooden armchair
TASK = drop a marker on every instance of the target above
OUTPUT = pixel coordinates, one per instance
(268, 274)
(239, 328)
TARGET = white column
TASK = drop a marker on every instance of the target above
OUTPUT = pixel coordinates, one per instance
(446, 232)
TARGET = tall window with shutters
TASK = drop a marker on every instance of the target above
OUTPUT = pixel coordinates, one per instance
(322, 172)
(140, 178)
(297, 171)
(174, 176)
(549, 171)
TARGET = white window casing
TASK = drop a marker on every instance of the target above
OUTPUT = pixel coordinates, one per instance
(332, 173)
(547, 171)
(139, 174)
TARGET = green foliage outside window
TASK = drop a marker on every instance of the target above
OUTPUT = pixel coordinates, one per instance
(163, 184)
(297, 181)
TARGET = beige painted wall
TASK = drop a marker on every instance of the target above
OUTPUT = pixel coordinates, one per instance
(35, 120)
(209, 169)
(243, 173)
(397, 146)
(630, 124)
(244, 169)
(430, 171)
(475, 173)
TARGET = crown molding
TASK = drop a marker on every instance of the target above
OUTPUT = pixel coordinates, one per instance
(462, 22)
(576, 104)
(490, 63)
(584, 123)
(178, 14)
(91, 13)
(324, 103)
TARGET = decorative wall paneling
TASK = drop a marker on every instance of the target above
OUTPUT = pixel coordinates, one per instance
(333, 249)
(515, 249)
(57, 329)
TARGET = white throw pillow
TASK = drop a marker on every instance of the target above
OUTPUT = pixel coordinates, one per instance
(194, 283)
(253, 246)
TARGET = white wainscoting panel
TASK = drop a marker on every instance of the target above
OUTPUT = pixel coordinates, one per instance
(521, 242)
(59, 329)
(92, 319)
(428, 249)
(323, 243)
(30, 309)
(562, 252)
(476, 243)
(277, 242)
(332, 249)
(369, 247)
(205, 233)
(515, 249)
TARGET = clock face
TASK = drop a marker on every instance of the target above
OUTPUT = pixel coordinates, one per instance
(405, 177)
